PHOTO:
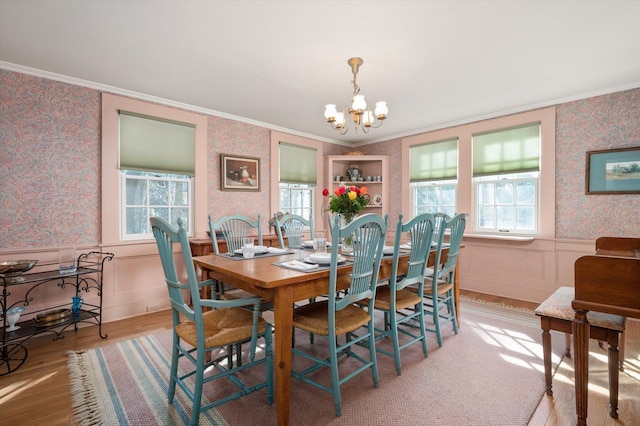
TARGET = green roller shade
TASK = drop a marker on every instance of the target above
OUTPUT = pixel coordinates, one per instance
(156, 145)
(434, 161)
(298, 164)
(507, 151)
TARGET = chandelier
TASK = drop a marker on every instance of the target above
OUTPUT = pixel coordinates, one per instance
(361, 115)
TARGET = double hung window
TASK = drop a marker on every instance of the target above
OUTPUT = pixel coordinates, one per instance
(157, 164)
(506, 170)
(433, 177)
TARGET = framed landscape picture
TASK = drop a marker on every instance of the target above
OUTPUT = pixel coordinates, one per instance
(613, 171)
(239, 173)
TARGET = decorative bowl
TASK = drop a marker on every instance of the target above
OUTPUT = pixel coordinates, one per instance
(13, 269)
(16, 266)
(53, 317)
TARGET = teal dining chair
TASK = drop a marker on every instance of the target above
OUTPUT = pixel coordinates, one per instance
(439, 300)
(439, 227)
(199, 335)
(338, 315)
(233, 229)
(403, 308)
(294, 227)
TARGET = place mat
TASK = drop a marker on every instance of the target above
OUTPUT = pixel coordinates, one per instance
(301, 266)
(268, 253)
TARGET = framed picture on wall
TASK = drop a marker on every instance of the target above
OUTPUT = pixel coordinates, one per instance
(239, 173)
(613, 171)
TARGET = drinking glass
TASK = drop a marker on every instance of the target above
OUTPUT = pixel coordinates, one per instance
(67, 257)
(320, 244)
(247, 247)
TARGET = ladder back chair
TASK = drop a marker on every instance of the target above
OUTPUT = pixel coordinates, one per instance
(294, 227)
(402, 307)
(339, 315)
(439, 299)
(200, 335)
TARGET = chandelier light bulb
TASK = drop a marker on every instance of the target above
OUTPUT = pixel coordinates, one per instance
(358, 104)
(367, 118)
(330, 112)
(340, 121)
(381, 110)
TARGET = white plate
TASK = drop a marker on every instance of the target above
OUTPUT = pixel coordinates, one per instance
(326, 261)
(387, 250)
(377, 200)
(256, 250)
(320, 257)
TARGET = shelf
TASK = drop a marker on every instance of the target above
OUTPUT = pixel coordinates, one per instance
(369, 165)
(86, 278)
(31, 327)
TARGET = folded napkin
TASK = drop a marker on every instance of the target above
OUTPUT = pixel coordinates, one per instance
(300, 266)
(276, 250)
(406, 246)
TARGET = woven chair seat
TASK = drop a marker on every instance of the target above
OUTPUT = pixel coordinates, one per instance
(404, 299)
(221, 327)
(314, 318)
(443, 288)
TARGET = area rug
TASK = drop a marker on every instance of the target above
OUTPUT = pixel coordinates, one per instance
(490, 373)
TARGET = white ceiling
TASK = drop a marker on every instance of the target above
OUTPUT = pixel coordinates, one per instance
(277, 63)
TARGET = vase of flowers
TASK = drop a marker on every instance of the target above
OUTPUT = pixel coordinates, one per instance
(348, 201)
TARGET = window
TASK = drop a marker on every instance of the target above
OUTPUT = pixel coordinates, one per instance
(507, 203)
(298, 178)
(506, 166)
(146, 195)
(296, 199)
(159, 184)
(510, 156)
(434, 197)
(113, 227)
(433, 177)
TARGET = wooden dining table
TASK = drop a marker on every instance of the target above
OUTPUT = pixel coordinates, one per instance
(608, 282)
(283, 287)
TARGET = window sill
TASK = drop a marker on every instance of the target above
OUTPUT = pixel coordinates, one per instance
(501, 237)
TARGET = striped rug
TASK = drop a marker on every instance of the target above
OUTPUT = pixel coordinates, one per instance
(491, 373)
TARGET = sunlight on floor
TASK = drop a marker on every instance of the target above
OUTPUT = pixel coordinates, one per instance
(15, 389)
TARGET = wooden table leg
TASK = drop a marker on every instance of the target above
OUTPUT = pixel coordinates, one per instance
(545, 323)
(283, 319)
(614, 372)
(581, 362)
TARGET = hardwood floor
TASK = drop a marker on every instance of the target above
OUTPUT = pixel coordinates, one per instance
(38, 393)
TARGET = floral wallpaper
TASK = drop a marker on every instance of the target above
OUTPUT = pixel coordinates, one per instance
(50, 164)
(602, 122)
(233, 137)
